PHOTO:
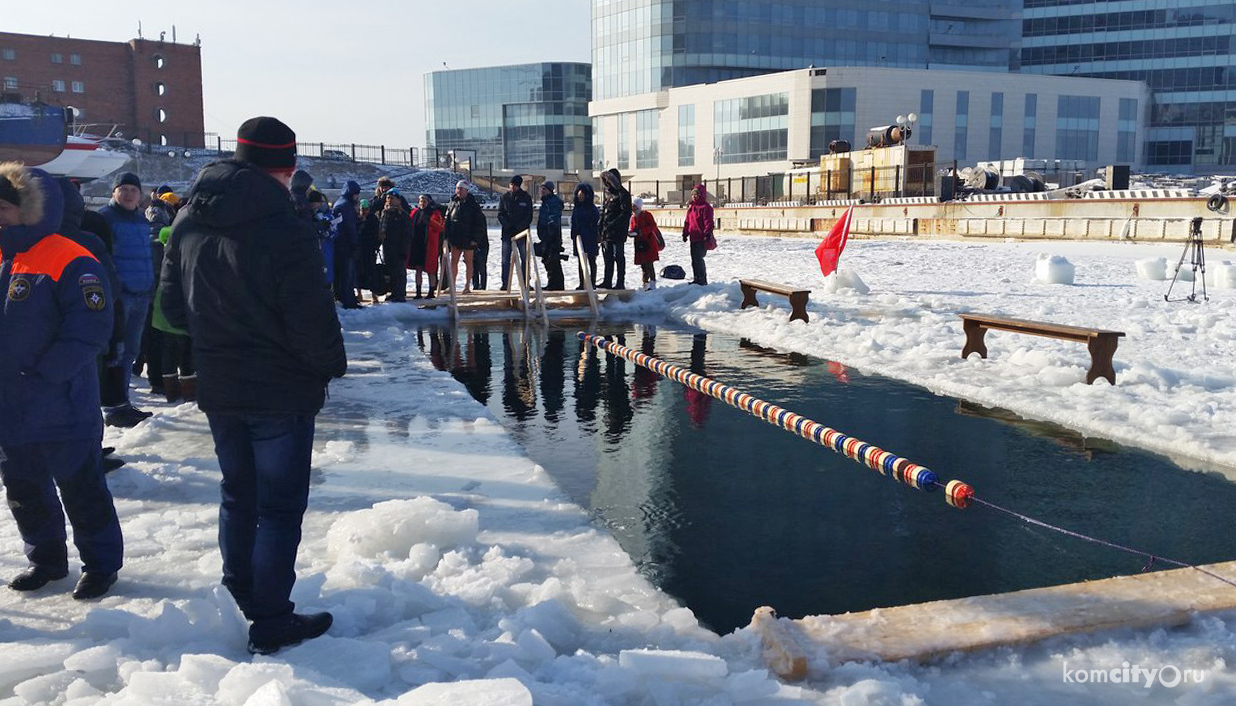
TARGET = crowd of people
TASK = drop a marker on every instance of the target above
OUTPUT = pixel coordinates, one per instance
(227, 297)
(371, 244)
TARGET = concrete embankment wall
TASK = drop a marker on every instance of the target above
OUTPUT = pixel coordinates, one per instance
(1144, 220)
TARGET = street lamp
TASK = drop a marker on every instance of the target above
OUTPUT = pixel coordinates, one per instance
(906, 124)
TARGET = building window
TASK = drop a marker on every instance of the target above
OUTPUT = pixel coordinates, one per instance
(1028, 132)
(58, 86)
(158, 61)
(161, 115)
(646, 127)
(75, 59)
(961, 133)
(624, 154)
(57, 58)
(686, 135)
(1169, 152)
(79, 87)
(996, 135)
(926, 105)
(1126, 132)
(598, 143)
(1077, 128)
(832, 117)
(753, 129)
(160, 88)
(10, 83)
(8, 54)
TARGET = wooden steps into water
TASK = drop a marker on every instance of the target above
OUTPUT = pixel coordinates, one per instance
(927, 631)
(499, 299)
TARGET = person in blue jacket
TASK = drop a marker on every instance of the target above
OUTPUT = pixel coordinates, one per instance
(131, 253)
(584, 226)
(347, 238)
(55, 320)
(549, 233)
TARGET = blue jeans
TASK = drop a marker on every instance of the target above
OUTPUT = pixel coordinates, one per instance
(507, 246)
(699, 272)
(136, 307)
(31, 474)
(265, 490)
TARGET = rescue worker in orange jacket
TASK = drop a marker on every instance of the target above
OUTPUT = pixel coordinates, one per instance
(55, 320)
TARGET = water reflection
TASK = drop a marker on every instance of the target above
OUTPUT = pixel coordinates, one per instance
(728, 513)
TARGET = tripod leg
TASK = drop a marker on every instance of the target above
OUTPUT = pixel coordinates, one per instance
(1168, 297)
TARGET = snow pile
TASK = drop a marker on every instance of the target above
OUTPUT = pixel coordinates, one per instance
(1152, 268)
(1222, 275)
(1182, 271)
(844, 278)
(1053, 269)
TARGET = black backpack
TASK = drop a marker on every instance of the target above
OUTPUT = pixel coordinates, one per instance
(673, 272)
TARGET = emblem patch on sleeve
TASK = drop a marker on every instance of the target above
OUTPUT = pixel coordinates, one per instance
(19, 289)
(95, 299)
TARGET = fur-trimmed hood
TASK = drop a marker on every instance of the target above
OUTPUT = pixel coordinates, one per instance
(27, 189)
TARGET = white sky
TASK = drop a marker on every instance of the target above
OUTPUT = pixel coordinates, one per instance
(334, 71)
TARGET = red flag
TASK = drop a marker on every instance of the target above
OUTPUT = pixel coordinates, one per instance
(828, 252)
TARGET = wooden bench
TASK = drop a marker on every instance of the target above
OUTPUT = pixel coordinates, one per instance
(1102, 343)
(797, 297)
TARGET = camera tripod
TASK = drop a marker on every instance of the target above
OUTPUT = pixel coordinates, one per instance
(1197, 258)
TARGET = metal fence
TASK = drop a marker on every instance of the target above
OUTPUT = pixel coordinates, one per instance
(350, 152)
(806, 187)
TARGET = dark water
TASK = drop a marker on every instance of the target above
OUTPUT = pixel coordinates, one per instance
(728, 513)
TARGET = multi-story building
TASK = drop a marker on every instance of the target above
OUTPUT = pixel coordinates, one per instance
(1185, 50)
(645, 46)
(766, 124)
(522, 117)
(147, 89)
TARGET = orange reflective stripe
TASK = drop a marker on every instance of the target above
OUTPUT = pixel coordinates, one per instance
(49, 257)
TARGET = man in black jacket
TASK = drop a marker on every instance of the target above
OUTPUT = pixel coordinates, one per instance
(515, 215)
(244, 276)
(615, 222)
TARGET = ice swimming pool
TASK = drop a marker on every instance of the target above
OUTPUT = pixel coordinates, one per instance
(728, 513)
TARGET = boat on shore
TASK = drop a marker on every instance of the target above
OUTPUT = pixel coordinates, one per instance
(38, 135)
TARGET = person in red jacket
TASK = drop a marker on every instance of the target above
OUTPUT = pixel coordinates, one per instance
(647, 242)
(427, 225)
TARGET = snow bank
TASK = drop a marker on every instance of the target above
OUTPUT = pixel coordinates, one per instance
(1053, 269)
(1152, 268)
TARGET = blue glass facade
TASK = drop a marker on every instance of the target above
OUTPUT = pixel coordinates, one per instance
(1185, 50)
(645, 46)
(832, 118)
(754, 129)
(523, 117)
(686, 135)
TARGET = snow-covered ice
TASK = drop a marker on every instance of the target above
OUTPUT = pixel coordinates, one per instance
(459, 574)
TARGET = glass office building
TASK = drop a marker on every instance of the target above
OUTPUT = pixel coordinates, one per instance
(645, 46)
(522, 117)
(1185, 50)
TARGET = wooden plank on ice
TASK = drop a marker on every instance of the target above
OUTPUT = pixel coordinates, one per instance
(930, 630)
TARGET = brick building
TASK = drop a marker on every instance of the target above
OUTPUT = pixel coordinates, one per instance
(149, 89)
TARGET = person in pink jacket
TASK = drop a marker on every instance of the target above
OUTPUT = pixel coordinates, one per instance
(697, 228)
